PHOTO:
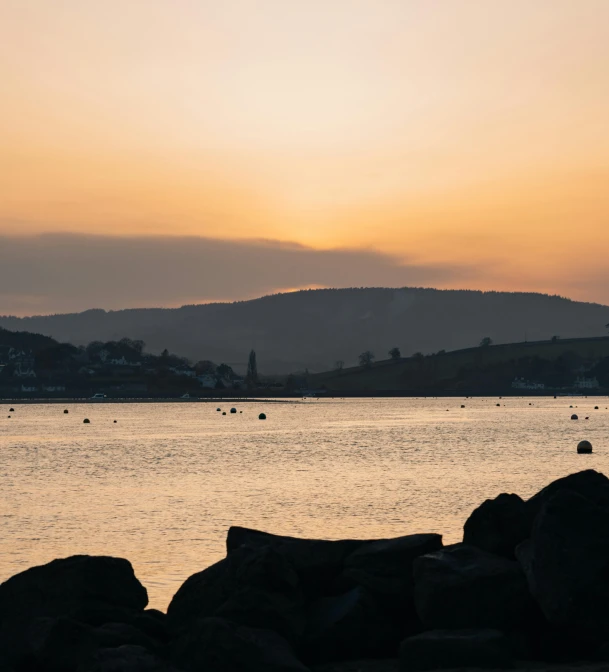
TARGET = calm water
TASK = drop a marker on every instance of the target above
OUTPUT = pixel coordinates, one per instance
(162, 486)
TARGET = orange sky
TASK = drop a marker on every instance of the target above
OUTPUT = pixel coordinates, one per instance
(467, 132)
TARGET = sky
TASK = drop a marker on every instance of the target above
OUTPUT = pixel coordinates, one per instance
(251, 146)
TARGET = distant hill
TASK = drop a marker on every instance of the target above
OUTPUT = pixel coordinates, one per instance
(26, 341)
(315, 328)
(556, 364)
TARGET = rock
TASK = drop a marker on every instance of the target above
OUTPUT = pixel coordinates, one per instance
(257, 587)
(128, 658)
(498, 525)
(566, 562)
(57, 645)
(464, 587)
(113, 635)
(385, 567)
(449, 649)
(350, 626)
(589, 483)
(584, 447)
(57, 588)
(66, 588)
(318, 562)
(217, 645)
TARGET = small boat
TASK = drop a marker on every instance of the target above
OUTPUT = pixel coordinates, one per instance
(98, 396)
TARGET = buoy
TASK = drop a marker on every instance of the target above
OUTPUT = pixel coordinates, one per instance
(584, 447)
(12, 410)
(587, 418)
(86, 421)
(233, 410)
(66, 411)
(262, 416)
(223, 412)
(115, 422)
(240, 411)
(596, 408)
(9, 416)
(497, 404)
(218, 409)
(462, 405)
(574, 417)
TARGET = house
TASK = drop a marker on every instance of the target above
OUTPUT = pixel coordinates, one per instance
(582, 383)
(182, 371)
(207, 381)
(29, 388)
(522, 384)
(54, 388)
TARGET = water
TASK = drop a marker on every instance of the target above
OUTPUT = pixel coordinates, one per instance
(162, 486)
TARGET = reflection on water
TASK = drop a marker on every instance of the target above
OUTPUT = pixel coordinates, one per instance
(162, 485)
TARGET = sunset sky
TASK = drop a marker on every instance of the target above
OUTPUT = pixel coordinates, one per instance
(447, 143)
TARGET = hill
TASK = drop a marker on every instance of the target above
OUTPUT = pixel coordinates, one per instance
(315, 328)
(555, 364)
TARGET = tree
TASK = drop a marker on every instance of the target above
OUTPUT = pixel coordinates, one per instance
(252, 369)
(205, 367)
(165, 354)
(366, 358)
(225, 371)
(555, 339)
(486, 342)
(394, 353)
(339, 364)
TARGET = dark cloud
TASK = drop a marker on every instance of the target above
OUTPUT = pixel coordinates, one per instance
(67, 272)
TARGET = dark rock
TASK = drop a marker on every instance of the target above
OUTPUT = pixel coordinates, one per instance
(57, 645)
(252, 586)
(498, 525)
(566, 562)
(61, 586)
(350, 626)
(384, 567)
(317, 562)
(449, 649)
(113, 635)
(589, 483)
(464, 587)
(153, 623)
(128, 658)
(217, 645)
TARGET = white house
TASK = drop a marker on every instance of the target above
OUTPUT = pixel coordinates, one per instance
(207, 381)
(29, 388)
(582, 383)
(522, 384)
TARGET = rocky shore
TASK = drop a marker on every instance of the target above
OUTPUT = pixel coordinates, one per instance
(529, 582)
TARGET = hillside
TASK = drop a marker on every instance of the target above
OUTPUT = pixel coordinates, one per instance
(555, 363)
(313, 329)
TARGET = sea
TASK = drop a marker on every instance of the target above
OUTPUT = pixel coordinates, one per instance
(161, 483)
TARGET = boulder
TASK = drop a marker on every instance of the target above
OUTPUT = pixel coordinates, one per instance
(318, 562)
(127, 658)
(257, 587)
(449, 649)
(350, 626)
(589, 483)
(113, 635)
(566, 562)
(57, 645)
(464, 587)
(66, 589)
(217, 645)
(498, 525)
(57, 588)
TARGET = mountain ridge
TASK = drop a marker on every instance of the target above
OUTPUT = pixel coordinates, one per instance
(315, 328)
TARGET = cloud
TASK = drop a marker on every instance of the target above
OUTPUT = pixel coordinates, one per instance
(69, 272)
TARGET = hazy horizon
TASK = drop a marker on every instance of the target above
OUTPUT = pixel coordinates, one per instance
(457, 143)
